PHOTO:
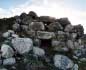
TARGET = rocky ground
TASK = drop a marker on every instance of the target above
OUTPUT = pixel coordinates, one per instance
(31, 42)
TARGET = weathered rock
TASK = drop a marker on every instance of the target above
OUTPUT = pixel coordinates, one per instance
(61, 36)
(80, 53)
(73, 36)
(9, 61)
(16, 27)
(47, 19)
(64, 21)
(61, 32)
(63, 62)
(75, 67)
(36, 42)
(23, 15)
(22, 45)
(3, 69)
(45, 35)
(79, 30)
(7, 51)
(36, 26)
(59, 46)
(55, 43)
(32, 14)
(8, 33)
(25, 27)
(76, 45)
(54, 27)
(70, 44)
(38, 51)
(68, 28)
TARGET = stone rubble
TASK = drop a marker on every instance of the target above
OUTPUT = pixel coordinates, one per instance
(55, 42)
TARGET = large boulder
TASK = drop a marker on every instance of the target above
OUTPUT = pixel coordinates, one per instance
(7, 51)
(22, 45)
(63, 62)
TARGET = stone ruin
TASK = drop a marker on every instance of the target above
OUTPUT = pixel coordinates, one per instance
(53, 44)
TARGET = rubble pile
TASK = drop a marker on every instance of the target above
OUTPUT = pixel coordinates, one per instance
(31, 42)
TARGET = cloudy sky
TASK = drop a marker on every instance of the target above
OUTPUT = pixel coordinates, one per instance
(75, 10)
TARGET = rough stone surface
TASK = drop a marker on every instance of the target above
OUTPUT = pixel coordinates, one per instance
(22, 45)
(38, 51)
(7, 51)
(45, 35)
(70, 44)
(63, 62)
(36, 26)
(9, 61)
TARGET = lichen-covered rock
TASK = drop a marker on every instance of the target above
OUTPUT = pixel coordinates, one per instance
(63, 62)
(7, 51)
(22, 45)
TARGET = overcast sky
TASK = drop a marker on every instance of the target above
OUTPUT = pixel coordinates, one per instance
(75, 10)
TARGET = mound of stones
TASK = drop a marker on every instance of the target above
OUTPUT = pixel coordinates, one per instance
(32, 42)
